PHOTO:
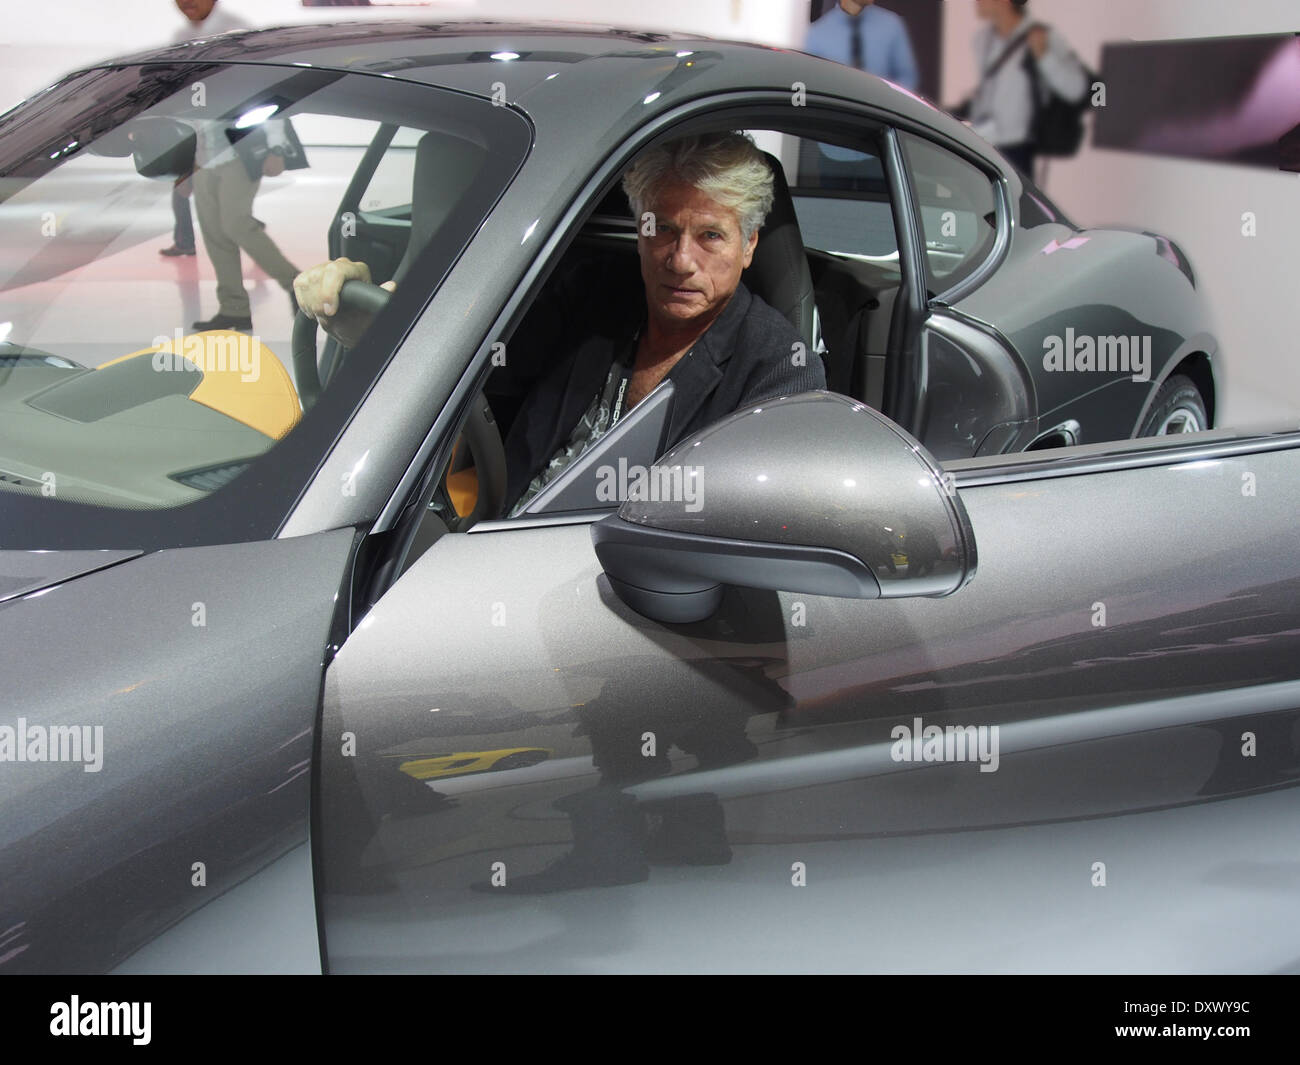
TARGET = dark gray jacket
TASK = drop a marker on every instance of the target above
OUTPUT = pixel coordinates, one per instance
(746, 355)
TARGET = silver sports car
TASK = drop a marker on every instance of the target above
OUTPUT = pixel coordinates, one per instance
(982, 659)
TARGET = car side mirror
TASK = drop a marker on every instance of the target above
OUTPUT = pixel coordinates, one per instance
(815, 493)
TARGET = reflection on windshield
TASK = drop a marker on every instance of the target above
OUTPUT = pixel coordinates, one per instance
(149, 241)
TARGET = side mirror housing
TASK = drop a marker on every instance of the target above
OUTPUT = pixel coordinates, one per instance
(815, 493)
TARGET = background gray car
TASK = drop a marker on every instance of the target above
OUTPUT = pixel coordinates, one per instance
(621, 736)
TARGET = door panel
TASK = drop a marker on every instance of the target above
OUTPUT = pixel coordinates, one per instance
(200, 669)
(542, 780)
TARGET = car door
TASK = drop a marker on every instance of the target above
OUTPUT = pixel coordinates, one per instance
(1009, 286)
(754, 791)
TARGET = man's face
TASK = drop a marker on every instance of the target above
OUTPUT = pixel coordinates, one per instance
(196, 10)
(692, 264)
(854, 7)
(990, 9)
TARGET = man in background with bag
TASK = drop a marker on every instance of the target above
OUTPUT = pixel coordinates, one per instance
(230, 165)
(1022, 65)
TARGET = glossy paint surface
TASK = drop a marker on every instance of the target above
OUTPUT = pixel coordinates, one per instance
(775, 755)
(201, 670)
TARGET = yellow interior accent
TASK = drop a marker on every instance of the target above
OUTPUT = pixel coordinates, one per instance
(444, 765)
(268, 403)
(133, 355)
(462, 487)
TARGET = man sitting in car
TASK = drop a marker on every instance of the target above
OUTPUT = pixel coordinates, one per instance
(699, 202)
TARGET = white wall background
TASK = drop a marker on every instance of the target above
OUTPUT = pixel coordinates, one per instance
(1251, 281)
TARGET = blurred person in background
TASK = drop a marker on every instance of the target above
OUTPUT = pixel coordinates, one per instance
(1002, 109)
(203, 19)
(227, 174)
(859, 34)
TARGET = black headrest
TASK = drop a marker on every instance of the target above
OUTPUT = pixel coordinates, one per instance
(779, 271)
(445, 167)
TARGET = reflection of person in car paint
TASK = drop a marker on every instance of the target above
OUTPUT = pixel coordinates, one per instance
(702, 709)
(699, 202)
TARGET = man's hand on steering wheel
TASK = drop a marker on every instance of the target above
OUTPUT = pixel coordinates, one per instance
(317, 293)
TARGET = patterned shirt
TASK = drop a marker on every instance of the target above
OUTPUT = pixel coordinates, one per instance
(601, 416)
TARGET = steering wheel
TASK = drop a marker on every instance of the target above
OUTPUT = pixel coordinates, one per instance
(356, 295)
(481, 433)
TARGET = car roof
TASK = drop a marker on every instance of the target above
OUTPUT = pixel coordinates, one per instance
(566, 76)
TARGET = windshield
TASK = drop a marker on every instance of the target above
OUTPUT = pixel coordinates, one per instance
(152, 220)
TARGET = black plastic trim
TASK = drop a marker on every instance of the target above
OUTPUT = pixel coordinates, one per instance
(668, 563)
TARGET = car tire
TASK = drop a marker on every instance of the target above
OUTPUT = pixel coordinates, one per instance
(1177, 408)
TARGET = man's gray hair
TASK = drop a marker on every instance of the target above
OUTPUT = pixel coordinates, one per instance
(727, 167)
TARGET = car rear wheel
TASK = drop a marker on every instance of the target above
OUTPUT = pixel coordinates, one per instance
(1178, 408)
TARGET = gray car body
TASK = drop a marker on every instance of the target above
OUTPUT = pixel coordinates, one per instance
(1122, 739)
